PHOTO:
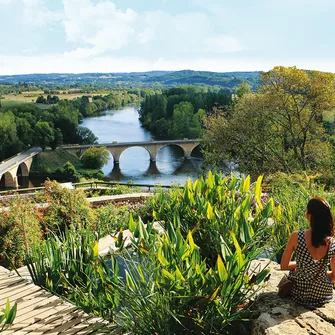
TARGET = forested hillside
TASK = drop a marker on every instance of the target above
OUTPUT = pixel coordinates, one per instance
(180, 112)
(137, 79)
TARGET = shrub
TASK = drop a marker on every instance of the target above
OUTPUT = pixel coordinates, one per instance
(213, 207)
(95, 158)
(169, 289)
(69, 265)
(113, 217)
(70, 171)
(65, 208)
(19, 231)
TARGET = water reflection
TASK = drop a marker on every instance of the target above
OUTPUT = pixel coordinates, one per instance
(123, 126)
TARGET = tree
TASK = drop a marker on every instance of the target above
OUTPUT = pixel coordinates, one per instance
(85, 136)
(9, 142)
(185, 123)
(41, 100)
(69, 170)
(58, 139)
(279, 127)
(95, 158)
(43, 134)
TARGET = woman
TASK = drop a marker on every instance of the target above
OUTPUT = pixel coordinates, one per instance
(314, 249)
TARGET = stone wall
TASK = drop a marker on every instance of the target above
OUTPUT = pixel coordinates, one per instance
(278, 316)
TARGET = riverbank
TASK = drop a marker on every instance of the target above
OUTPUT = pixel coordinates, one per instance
(49, 164)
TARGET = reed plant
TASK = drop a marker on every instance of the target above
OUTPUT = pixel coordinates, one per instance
(170, 289)
(213, 207)
(69, 265)
(8, 315)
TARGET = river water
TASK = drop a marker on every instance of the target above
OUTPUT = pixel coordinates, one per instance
(123, 125)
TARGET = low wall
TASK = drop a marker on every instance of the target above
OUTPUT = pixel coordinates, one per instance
(278, 316)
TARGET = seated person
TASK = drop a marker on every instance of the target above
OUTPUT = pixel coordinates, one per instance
(314, 250)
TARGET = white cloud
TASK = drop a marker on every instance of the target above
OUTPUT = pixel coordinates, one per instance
(36, 13)
(102, 27)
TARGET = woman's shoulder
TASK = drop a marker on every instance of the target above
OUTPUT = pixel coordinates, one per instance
(294, 238)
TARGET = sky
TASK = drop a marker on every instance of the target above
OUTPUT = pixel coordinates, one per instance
(78, 36)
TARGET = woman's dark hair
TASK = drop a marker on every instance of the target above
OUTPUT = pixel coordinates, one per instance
(322, 221)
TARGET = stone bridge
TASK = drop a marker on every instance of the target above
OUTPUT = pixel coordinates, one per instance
(16, 165)
(116, 148)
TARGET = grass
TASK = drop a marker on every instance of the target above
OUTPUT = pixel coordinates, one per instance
(50, 161)
(30, 97)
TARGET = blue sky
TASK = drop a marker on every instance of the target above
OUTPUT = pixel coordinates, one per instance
(43, 36)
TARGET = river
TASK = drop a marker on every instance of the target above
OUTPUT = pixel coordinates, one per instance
(123, 125)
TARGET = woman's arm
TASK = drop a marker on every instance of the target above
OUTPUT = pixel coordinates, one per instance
(292, 244)
(331, 274)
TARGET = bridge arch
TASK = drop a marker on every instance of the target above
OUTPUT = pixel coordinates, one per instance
(8, 180)
(24, 169)
(117, 152)
(172, 145)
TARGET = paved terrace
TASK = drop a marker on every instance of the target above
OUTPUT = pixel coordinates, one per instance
(39, 312)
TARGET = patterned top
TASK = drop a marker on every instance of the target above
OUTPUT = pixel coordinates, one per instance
(307, 291)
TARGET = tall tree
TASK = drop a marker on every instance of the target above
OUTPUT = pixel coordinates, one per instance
(278, 128)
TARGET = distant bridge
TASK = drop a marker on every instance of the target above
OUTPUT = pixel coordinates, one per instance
(116, 148)
(19, 164)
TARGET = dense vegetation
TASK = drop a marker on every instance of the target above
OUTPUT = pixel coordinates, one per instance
(195, 277)
(180, 112)
(155, 79)
(25, 125)
(281, 127)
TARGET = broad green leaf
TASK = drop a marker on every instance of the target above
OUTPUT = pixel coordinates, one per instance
(131, 224)
(238, 251)
(215, 293)
(161, 258)
(261, 275)
(129, 281)
(223, 274)
(95, 249)
(258, 191)
(225, 251)
(190, 241)
(232, 183)
(269, 208)
(209, 212)
(210, 179)
(246, 184)
(167, 274)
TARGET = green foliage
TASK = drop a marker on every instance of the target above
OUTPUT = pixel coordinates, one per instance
(69, 265)
(85, 136)
(19, 231)
(43, 134)
(214, 207)
(169, 288)
(66, 208)
(284, 132)
(184, 123)
(113, 217)
(95, 158)
(179, 112)
(8, 316)
(70, 171)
